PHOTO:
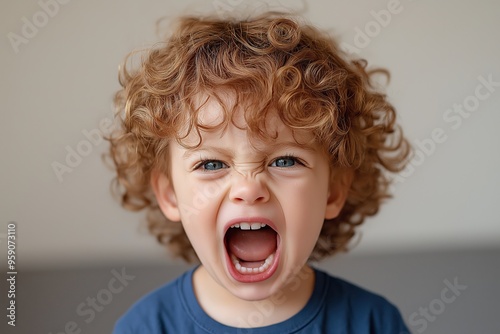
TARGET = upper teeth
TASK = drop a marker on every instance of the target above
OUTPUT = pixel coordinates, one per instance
(249, 226)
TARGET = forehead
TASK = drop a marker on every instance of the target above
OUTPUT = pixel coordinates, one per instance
(223, 114)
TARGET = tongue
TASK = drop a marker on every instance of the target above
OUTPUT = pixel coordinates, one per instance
(251, 245)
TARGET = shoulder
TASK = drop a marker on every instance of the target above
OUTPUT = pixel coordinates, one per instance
(360, 309)
(155, 311)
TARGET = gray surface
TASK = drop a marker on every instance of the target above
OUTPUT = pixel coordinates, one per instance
(47, 301)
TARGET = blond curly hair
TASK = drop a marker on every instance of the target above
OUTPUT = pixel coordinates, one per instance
(272, 62)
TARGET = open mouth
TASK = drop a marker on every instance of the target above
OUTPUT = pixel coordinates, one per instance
(252, 251)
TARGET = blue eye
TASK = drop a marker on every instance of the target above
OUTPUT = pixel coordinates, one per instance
(211, 165)
(284, 162)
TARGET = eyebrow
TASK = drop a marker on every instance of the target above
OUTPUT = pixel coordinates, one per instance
(268, 148)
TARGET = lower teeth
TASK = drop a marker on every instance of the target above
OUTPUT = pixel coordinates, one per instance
(245, 270)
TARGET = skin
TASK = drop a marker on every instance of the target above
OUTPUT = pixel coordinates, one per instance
(231, 176)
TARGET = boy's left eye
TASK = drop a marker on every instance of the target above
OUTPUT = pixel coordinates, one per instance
(284, 162)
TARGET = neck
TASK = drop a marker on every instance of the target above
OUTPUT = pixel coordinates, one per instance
(224, 307)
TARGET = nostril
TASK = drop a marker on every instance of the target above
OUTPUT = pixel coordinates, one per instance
(250, 199)
(249, 191)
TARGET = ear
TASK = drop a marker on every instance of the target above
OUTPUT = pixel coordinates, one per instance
(165, 195)
(340, 184)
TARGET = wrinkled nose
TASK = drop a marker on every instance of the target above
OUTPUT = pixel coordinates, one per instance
(249, 190)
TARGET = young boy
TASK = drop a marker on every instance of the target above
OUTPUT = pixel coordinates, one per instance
(256, 146)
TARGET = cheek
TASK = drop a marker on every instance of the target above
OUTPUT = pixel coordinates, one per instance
(188, 206)
(198, 203)
(304, 207)
(199, 219)
(308, 195)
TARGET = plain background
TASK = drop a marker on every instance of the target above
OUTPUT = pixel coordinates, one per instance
(58, 85)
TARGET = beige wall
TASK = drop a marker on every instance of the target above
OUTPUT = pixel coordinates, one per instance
(58, 83)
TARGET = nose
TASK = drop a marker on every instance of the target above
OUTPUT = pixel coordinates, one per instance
(248, 189)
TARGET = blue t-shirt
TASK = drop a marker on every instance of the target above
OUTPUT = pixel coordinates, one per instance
(335, 306)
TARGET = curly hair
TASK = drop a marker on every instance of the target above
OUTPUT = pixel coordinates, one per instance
(271, 62)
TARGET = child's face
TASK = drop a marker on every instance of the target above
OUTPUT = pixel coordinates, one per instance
(228, 181)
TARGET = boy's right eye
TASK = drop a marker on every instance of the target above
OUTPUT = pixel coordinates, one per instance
(211, 165)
